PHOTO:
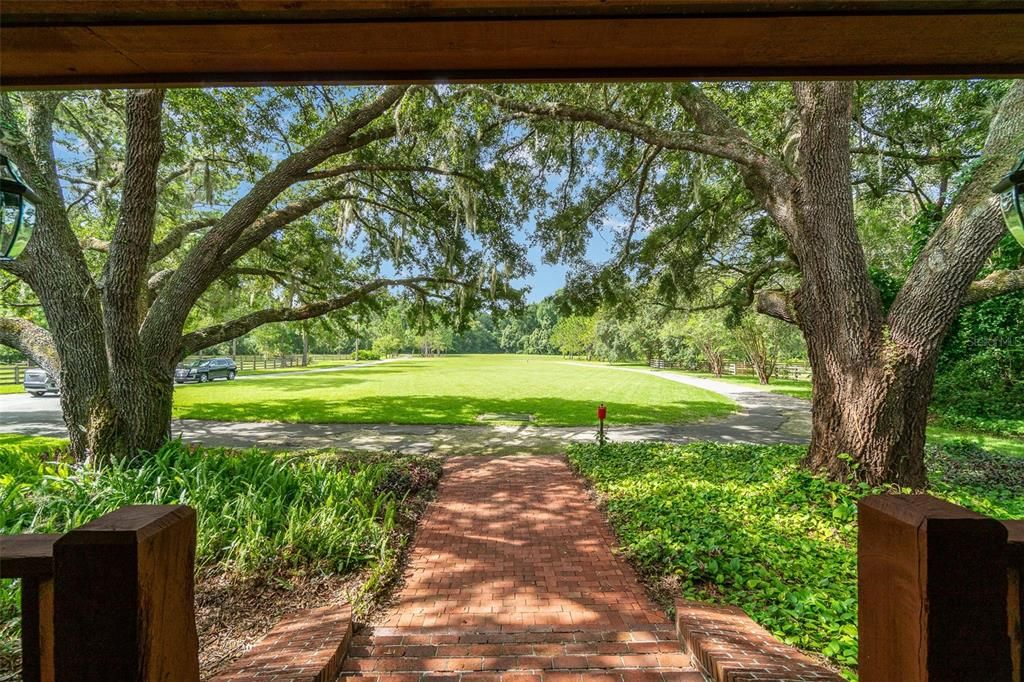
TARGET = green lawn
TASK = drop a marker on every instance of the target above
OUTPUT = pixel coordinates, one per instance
(454, 390)
(9, 442)
(11, 388)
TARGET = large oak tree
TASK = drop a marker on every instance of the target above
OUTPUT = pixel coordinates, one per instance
(158, 212)
(676, 164)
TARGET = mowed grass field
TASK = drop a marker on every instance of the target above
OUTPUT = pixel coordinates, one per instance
(453, 389)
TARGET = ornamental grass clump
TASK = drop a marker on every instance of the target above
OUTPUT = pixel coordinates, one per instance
(256, 511)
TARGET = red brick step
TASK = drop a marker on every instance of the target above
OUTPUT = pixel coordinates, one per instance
(648, 652)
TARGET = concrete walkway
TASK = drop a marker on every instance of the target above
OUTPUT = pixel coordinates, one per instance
(763, 417)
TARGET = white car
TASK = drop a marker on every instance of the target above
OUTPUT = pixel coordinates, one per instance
(38, 382)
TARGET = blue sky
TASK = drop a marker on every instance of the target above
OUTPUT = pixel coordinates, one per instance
(547, 279)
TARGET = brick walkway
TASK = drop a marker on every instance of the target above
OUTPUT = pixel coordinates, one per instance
(512, 577)
(517, 541)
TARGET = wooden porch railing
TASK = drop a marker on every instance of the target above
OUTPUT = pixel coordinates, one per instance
(936, 591)
(939, 595)
(110, 600)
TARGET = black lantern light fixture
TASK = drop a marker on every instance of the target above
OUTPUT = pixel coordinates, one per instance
(1011, 199)
(17, 214)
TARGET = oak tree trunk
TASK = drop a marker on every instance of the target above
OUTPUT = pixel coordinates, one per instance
(135, 420)
(869, 420)
(305, 345)
(865, 420)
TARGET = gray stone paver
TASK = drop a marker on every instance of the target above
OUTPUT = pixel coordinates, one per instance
(763, 417)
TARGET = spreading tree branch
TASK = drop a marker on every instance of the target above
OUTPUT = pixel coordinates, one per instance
(645, 169)
(219, 333)
(94, 244)
(776, 303)
(206, 261)
(923, 159)
(176, 236)
(32, 340)
(941, 278)
(738, 150)
(349, 169)
(271, 222)
(994, 284)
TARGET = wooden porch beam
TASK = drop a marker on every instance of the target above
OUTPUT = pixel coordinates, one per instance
(80, 43)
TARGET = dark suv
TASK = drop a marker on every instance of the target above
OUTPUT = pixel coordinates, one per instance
(206, 370)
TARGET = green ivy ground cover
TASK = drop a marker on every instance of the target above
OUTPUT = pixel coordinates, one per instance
(745, 525)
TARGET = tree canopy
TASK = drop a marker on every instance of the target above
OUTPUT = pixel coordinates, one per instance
(174, 221)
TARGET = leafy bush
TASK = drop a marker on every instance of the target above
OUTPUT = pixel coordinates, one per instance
(747, 526)
(255, 510)
(984, 392)
(369, 355)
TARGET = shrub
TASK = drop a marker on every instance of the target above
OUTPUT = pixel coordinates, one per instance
(984, 392)
(255, 510)
(369, 355)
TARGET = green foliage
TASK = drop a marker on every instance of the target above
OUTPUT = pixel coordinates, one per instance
(766, 341)
(369, 355)
(574, 335)
(529, 331)
(984, 392)
(387, 345)
(980, 479)
(747, 526)
(256, 510)
(480, 335)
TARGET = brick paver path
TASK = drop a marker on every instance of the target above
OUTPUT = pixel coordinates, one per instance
(517, 541)
(512, 576)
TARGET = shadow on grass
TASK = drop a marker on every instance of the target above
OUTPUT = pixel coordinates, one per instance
(450, 409)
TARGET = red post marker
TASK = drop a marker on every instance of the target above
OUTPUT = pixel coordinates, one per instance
(602, 411)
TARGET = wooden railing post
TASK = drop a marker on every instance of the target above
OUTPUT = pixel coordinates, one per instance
(30, 558)
(1015, 603)
(932, 580)
(123, 597)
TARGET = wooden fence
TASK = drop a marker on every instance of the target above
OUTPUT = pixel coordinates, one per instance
(251, 363)
(787, 371)
(13, 374)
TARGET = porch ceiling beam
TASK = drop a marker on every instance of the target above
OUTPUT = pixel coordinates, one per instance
(78, 43)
